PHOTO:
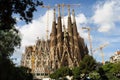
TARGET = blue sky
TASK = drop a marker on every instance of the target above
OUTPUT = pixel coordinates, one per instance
(102, 16)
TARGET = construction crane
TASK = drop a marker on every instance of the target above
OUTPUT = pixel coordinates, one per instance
(58, 5)
(47, 31)
(101, 50)
(89, 39)
(65, 5)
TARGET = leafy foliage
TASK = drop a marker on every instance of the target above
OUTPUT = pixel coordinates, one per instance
(94, 75)
(24, 8)
(89, 68)
(88, 64)
(102, 74)
(10, 36)
(8, 71)
(116, 67)
(108, 67)
(76, 73)
(61, 73)
(8, 41)
(112, 70)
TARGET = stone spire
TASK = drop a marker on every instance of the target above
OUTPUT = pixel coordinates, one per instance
(75, 32)
(59, 28)
(70, 31)
(59, 10)
(59, 34)
(73, 14)
(53, 40)
(54, 15)
(75, 39)
(53, 34)
(86, 50)
(68, 11)
(54, 30)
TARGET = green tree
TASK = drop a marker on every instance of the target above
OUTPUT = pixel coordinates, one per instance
(23, 73)
(76, 73)
(108, 67)
(116, 69)
(8, 41)
(87, 65)
(94, 75)
(102, 73)
(10, 36)
(61, 73)
(10, 72)
(112, 70)
(24, 8)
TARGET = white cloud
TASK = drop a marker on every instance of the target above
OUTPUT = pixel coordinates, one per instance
(35, 29)
(81, 19)
(105, 27)
(106, 14)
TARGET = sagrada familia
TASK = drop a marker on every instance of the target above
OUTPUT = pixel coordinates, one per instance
(64, 48)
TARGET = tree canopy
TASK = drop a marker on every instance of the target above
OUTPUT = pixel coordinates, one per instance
(8, 40)
(10, 36)
(112, 70)
(24, 8)
(88, 64)
(89, 68)
(61, 73)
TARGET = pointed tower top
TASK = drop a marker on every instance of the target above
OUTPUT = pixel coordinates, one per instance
(73, 14)
(54, 15)
(69, 11)
(58, 10)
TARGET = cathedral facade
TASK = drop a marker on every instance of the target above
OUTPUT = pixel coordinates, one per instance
(64, 48)
(67, 47)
